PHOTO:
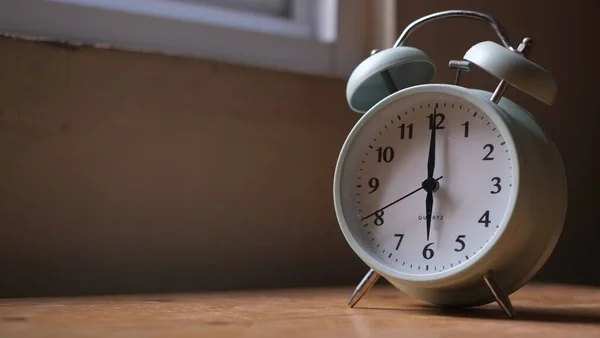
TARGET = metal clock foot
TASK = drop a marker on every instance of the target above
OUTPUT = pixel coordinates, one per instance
(499, 294)
(363, 287)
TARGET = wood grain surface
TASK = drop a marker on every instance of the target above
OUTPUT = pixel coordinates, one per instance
(542, 311)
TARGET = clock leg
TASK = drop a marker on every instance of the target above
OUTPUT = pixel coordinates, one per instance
(499, 294)
(363, 287)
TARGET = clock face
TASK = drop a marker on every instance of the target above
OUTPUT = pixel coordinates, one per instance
(384, 183)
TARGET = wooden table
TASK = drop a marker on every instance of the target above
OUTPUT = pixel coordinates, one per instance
(542, 311)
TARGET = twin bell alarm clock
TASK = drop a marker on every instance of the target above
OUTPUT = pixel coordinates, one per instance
(456, 196)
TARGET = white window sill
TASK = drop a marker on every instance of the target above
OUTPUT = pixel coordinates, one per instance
(192, 30)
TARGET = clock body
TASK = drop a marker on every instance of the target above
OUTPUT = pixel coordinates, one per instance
(500, 203)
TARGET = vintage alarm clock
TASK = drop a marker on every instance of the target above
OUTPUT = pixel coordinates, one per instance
(456, 196)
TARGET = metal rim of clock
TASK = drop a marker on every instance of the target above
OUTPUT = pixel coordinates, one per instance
(488, 108)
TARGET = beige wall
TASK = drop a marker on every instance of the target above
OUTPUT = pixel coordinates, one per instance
(125, 172)
(564, 34)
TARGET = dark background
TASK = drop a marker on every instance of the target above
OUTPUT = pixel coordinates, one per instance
(125, 172)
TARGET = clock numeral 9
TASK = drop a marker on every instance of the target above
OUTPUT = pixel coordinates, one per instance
(497, 185)
(385, 154)
(428, 252)
(485, 218)
(490, 150)
(378, 218)
(373, 184)
(406, 129)
(439, 120)
(460, 241)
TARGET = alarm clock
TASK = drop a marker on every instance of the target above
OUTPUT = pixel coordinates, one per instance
(457, 196)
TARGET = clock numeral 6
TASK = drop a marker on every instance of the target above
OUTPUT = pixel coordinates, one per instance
(385, 154)
(378, 218)
(460, 241)
(427, 251)
(497, 185)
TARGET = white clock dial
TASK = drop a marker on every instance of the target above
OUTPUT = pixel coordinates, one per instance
(384, 200)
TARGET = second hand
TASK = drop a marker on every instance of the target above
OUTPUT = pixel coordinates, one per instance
(396, 201)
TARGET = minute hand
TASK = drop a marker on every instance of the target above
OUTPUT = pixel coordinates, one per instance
(396, 201)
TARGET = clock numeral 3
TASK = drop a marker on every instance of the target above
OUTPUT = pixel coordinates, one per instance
(406, 130)
(485, 218)
(497, 185)
(427, 251)
(439, 120)
(400, 238)
(491, 149)
(385, 154)
(373, 184)
(460, 241)
(378, 218)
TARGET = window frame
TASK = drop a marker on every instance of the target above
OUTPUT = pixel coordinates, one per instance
(298, 45)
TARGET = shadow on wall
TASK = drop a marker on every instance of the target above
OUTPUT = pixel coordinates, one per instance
(126, 172)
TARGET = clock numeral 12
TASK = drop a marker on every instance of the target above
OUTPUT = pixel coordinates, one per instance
(439, 120)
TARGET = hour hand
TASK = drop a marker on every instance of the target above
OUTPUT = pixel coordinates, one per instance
(431, 154)
(428, 210)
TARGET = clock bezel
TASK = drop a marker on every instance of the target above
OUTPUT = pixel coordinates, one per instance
(485, 256)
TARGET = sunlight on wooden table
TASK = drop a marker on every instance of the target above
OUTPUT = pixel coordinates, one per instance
(542, 311)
